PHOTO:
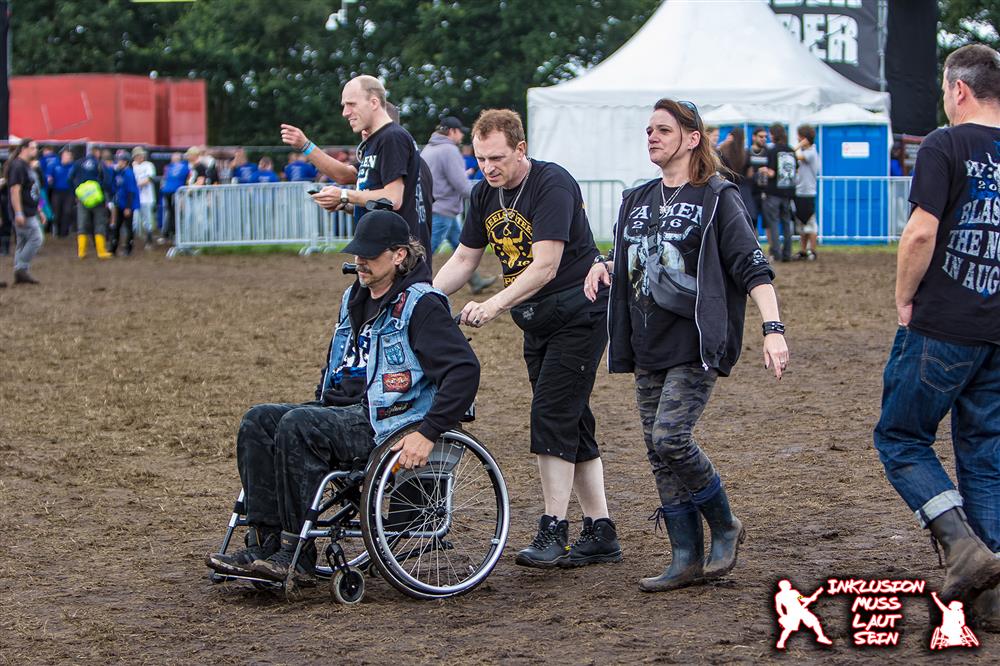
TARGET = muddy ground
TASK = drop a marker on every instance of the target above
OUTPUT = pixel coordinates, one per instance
(122, 384)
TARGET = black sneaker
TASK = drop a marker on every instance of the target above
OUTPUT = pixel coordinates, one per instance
(276, 566)
(598, 543)
(549, 548)
(238, 563)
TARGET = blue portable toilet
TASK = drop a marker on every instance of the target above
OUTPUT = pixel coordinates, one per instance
(853, 199)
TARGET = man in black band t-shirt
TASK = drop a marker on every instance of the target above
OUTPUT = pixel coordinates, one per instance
(388, 159)
(946, 356)
(532, 214)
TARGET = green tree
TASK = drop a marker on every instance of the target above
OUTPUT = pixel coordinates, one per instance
(266, 62)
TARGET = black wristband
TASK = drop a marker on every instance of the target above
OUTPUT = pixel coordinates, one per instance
(773, 327)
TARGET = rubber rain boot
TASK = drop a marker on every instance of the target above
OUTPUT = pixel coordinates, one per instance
(101, 245)
(81, 246)
(727, 535)
(687, 554)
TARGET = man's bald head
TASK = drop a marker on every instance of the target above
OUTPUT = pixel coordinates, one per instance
(369, 87)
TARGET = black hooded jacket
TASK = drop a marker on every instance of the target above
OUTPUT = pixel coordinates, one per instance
(730, 264)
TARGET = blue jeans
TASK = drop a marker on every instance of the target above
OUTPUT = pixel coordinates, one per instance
(444, 228)
(924, 379)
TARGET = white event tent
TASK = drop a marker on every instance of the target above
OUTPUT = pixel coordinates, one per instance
(731, 55)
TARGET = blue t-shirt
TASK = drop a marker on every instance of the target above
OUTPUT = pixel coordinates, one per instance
(59, 178)
(47, 164)
(126, 189)
(957, 181)
(175, 176)
(265, 176)
(245, 173)
(471, 163)
(299, 171)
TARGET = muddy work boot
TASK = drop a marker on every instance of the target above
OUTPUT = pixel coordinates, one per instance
(549, 548)
(275, 567)
(598, 543)
(727, 535)
(687, 554)
(261, 543)
(972, 567)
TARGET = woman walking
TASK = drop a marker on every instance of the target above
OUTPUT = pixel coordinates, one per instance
(683, 262)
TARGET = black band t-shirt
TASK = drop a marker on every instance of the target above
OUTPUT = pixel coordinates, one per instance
(390, 153)
(957, 179)
(550, 207)
(21, 174)
(662, 339)
(781, 159)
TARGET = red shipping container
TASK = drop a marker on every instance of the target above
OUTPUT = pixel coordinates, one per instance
(185, 113)
(111, 108)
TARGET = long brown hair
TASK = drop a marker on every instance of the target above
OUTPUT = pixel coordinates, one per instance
(734, 152)
(704, 162)
(15, 152)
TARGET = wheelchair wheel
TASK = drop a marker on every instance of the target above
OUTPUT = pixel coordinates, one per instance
(347, 587)
(436, 531)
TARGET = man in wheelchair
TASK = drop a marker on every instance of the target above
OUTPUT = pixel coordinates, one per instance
(397, 358)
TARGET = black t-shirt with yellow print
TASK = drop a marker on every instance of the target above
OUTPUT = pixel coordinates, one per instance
(549, 208)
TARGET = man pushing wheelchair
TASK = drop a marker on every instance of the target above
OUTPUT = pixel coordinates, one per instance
(396, 359)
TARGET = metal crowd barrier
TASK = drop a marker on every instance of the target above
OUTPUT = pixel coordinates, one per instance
(602, 199)
(257, 214)
(862, 209)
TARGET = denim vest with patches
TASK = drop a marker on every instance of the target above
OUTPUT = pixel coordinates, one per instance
(399, 394)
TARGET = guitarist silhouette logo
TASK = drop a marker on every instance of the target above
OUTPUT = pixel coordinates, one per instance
(793, 610)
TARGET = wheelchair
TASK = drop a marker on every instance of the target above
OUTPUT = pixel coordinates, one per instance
(432, 532)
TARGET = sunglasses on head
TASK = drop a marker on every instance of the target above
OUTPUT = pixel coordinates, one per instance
(690, 106)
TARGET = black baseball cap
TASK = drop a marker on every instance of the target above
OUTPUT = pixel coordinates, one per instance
(377, 231)
(451, 122)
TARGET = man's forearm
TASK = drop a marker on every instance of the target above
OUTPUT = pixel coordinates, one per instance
(361, 197)
(916, 247)
(331, 167)
(527, 284)
(15, 199)
(456, 271)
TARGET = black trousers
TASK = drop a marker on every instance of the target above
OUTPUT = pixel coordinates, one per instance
(562, 351)
(64, 212)
(284, 450)
(122, 222)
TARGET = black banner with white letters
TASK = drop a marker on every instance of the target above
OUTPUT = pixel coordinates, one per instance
(842, 33)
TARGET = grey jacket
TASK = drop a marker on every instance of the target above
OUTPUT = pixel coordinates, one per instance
(451, 185)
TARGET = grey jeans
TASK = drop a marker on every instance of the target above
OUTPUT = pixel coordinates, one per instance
(670, 403)
(778, 218)
(92, 220)
(29, 240)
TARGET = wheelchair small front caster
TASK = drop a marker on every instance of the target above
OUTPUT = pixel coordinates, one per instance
(347, 586)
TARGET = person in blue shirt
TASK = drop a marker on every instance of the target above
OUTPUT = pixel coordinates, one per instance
(242, 172)
(175, 175)
(265, 172)
(62, 197)
(298, 170)
(46, 162)
(91, 183)
(126, 200)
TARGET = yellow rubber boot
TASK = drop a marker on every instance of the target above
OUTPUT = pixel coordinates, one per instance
(102, 251)
(81, 246)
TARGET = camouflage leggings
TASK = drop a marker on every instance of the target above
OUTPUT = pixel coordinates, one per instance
(670, 403)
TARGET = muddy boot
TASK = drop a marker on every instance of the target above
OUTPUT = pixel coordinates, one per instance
(81, 246)
(261, 543)
(971, 567)
(986, 611)
(275, 566)
(727, 535)
(598, 543)
(686, 557)
(24, 277)
(550, 548)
